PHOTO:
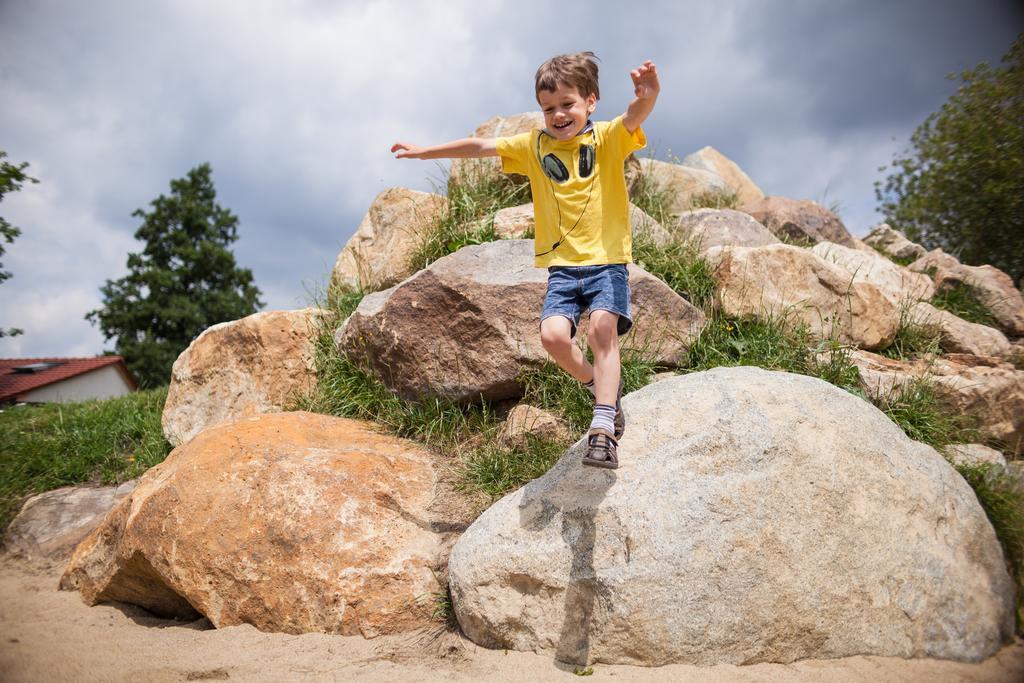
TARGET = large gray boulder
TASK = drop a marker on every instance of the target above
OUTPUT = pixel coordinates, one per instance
(466, 326)
(756, 517)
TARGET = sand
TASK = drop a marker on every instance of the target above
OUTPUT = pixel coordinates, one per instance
(50, 635)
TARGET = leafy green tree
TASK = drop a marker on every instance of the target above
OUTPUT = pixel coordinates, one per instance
(961, 187)
(184, 280)
(11, 178)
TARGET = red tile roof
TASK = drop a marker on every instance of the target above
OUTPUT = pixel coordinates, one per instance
(14, 384)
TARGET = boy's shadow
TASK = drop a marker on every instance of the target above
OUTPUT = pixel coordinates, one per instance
(576, 497)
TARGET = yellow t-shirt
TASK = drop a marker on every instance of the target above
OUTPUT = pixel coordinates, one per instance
(598, 202)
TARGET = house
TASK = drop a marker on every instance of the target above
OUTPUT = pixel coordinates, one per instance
(62, 380)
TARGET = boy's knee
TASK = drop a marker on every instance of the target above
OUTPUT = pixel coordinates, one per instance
(554, 338)
(603, 329)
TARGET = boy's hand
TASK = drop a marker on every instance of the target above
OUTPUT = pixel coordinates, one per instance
(407, 151)
(645, 81)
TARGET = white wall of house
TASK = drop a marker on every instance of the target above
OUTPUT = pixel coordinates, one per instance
(105, 382)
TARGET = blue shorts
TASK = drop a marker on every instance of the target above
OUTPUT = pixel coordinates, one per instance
(574, 289)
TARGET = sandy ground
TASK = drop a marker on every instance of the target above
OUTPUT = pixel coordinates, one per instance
(50, 635)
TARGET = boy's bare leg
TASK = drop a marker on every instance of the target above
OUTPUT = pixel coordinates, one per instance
(603, 340)
(555, 336)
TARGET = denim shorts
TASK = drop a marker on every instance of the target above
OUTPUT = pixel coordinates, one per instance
(574, 289)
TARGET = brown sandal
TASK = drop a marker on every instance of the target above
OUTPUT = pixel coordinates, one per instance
(602, 451)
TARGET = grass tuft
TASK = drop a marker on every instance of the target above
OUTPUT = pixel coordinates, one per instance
(1001, 495)
(913, 339)
(655, 199)
(679, 265)
(102, 442)
(714, 199)
(496, 469)
(919, 411)
(960, 300)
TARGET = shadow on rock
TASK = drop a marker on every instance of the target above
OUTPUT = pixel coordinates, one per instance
(584, 491)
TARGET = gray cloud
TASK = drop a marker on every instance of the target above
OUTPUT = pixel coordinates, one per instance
(295, 106)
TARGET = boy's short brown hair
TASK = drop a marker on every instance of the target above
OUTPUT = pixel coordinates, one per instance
(578, 70)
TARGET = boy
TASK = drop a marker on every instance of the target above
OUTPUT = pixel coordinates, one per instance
(582, 234)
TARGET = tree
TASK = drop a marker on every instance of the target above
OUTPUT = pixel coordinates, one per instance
(184, 280)
(961, 188)
(11, 178)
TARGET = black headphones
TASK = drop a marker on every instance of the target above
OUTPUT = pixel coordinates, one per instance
(554, 168)
(556, 171)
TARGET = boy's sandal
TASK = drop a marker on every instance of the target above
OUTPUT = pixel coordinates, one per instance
(602, 450)
(620, 417)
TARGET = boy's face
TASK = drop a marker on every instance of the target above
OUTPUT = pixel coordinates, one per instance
(565, 110)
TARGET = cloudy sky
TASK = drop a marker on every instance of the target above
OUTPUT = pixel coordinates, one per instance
(295, 105)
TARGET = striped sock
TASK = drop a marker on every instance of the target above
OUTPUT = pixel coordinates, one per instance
(604, 418)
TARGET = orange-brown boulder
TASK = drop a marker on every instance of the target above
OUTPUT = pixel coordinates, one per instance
(291, 522)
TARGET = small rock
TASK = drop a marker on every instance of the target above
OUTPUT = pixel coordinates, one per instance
(893, 242)
(526, 419)
(51, 524)
(709, 228)
(710, 159)
(802, 221)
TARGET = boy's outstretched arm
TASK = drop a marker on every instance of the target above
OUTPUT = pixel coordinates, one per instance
(463, 148)
(646, 87)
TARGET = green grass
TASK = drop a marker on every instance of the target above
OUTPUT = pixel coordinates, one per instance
(905, 261)
(468, 215)
(653, 198)
(679, 265)
(496, 469)
(912, 339)
(714, 199)
(917, 408)
(960, 300)
(48, 446)
(1002, 498)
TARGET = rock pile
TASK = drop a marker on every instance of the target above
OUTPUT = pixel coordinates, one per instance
(757, 516)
